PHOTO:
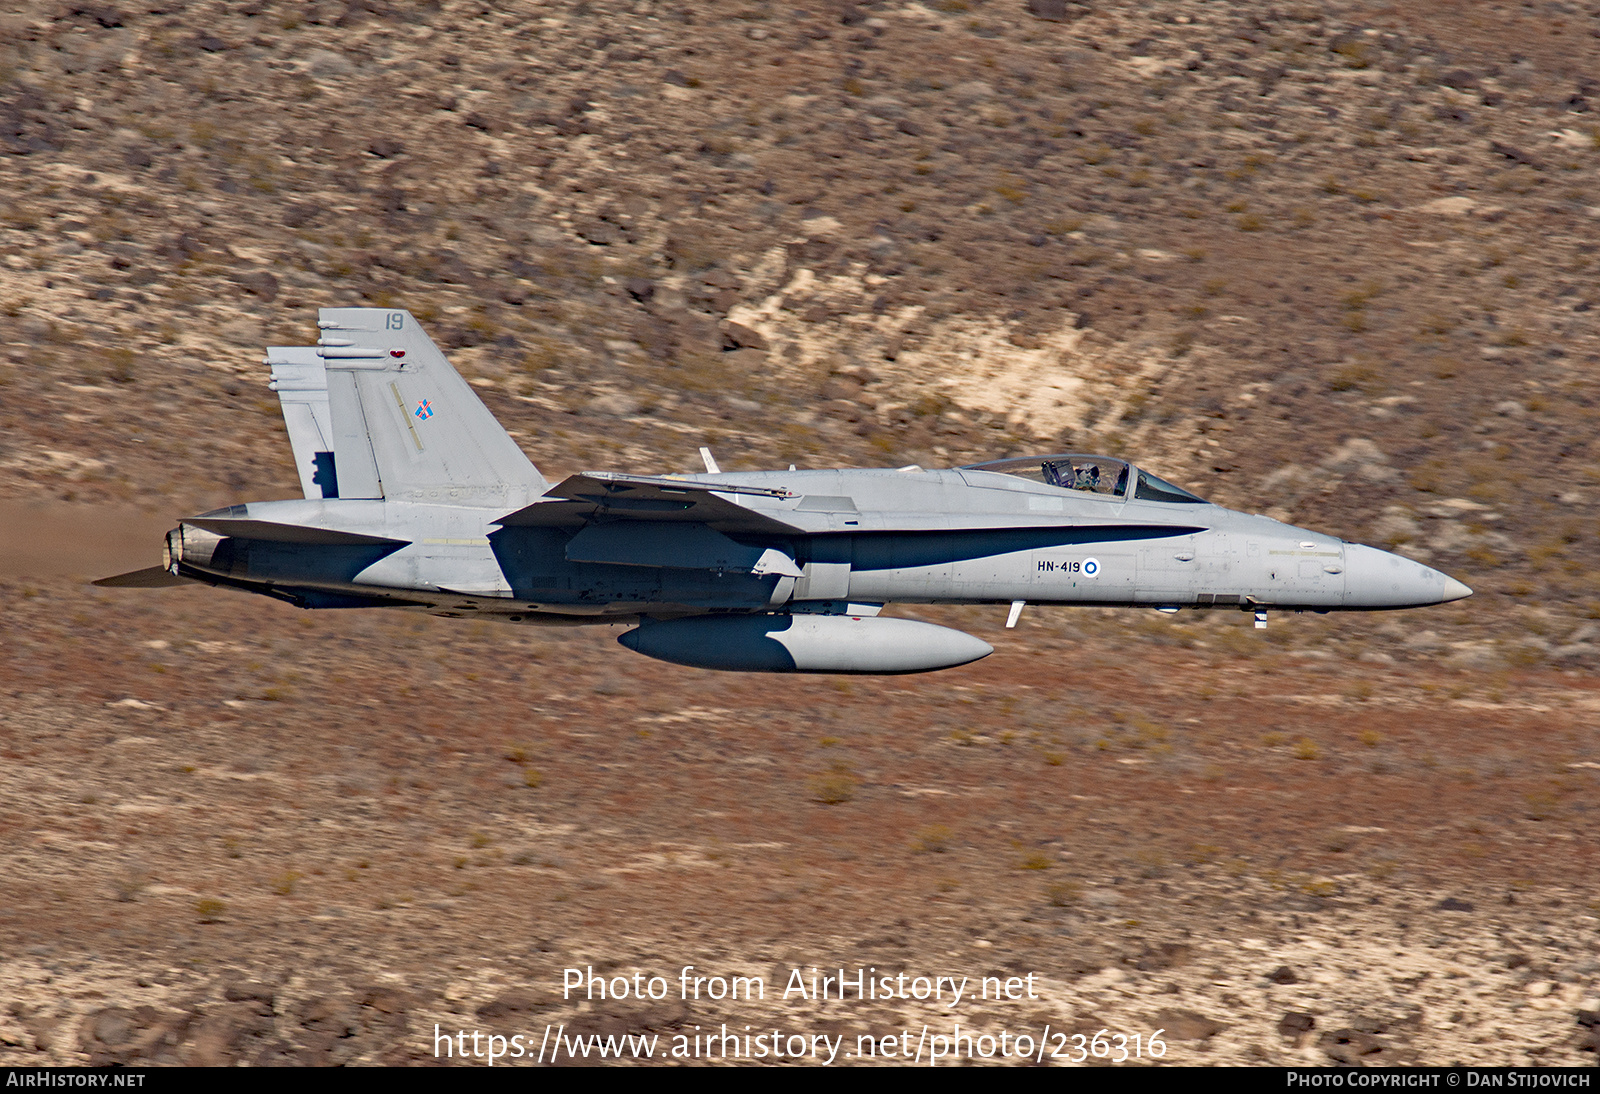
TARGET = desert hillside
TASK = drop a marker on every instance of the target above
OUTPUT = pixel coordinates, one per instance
(1333, 262)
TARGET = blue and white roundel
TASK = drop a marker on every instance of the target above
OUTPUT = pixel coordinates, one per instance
(1091, 567)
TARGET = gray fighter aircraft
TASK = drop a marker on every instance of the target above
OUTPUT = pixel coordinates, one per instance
(416, 498)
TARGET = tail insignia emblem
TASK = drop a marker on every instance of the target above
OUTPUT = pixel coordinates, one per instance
(397, 353)
(424, 410)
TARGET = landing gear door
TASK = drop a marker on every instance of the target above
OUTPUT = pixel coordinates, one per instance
(827, 571)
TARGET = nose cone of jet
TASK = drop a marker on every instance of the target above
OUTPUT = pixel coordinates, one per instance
(1378, 579)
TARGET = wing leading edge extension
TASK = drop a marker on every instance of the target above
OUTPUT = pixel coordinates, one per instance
(598, 495)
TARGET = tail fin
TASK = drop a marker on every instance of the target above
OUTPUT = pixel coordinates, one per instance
(405, 425)
(302, 386)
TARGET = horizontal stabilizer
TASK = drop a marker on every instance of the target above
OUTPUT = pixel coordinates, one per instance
(580, 498)
(151, 577)
(290, 533)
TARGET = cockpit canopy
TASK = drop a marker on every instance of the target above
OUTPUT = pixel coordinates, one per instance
(1105, 476)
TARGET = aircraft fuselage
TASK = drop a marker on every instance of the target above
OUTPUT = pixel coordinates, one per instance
(862, 536)
(415, 497)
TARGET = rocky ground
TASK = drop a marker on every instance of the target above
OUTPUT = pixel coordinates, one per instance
(1332, 262)
(299, 838)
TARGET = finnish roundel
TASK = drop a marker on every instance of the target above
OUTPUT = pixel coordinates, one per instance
(1091, 567)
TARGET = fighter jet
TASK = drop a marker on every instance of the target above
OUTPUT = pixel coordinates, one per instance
(416, 498)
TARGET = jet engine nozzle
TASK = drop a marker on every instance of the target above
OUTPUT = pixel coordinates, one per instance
(189, 545)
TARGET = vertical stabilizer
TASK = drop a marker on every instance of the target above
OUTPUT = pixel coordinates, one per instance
(405, 425)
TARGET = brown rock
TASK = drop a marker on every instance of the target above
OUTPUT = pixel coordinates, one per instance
(516, 1001)
(656, 337)
(1295, 1023)
(1514, 154)
(811, 252)
(105, 15)
(1168, 955)
(840, 388)
(667, 1014)
(299, 215)
(1348, 1046)
(1187, 1025)
(220, 1037)
(283, 1054)
(843, 410)
(697, 333)
(42, 1028)
(739, 336)
(250, 991)
(385, 998)
(1054, 11)
(261, 283)
(328, 1015)
(112, 1027)
(599, 232)
(118, 1035)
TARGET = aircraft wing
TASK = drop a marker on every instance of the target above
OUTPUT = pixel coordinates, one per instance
(580, 499)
